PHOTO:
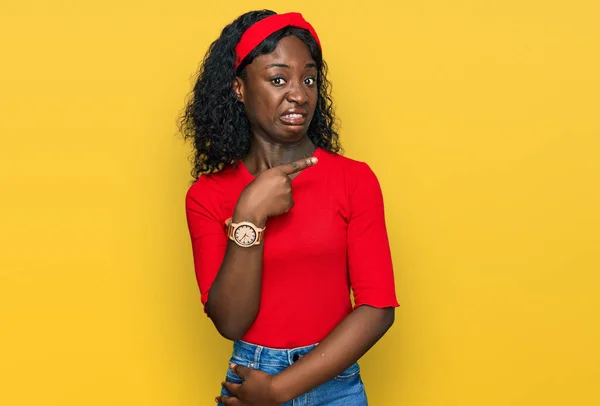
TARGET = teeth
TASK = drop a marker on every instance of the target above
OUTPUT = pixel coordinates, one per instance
(293, 116)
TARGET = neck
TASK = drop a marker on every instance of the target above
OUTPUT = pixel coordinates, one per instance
(264, 155)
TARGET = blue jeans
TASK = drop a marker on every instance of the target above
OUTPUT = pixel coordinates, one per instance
(346, 389)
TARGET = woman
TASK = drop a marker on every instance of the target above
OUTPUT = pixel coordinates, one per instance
(282, 226)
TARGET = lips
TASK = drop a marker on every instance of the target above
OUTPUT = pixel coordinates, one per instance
(293, 117)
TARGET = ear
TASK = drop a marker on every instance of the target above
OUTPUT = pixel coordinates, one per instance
(238, 88)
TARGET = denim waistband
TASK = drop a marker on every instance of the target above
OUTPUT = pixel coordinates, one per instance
(254, 355)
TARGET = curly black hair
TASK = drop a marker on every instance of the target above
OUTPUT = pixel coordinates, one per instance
(214, 119)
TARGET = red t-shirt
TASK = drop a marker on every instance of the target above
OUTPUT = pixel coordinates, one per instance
(332, 240)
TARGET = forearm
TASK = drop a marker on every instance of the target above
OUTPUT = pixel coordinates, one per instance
(346, 344)
(234, 297)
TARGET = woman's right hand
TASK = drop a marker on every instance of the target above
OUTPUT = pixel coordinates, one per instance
(270, 194)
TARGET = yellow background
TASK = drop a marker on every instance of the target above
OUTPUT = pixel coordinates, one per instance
(481, 119)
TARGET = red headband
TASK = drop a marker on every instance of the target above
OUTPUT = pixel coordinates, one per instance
(260, 30)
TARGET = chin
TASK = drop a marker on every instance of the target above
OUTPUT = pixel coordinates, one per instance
(292, 133)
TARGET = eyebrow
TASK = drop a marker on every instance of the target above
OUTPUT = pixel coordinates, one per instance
(283, 65)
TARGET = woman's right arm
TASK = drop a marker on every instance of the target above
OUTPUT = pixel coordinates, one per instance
(234, 296)
(230, 276)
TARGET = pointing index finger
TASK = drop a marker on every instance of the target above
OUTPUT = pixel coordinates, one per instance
(297, 166)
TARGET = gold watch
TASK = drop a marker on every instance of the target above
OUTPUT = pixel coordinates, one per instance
(245, 233)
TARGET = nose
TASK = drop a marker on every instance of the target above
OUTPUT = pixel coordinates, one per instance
(297, 93)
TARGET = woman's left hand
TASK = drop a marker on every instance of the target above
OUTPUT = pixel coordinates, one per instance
(256, 390)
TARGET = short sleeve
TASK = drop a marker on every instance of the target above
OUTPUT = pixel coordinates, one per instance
(207, 233)
(369, 256)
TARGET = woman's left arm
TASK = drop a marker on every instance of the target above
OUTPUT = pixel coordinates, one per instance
(372, 279)
(345, 345)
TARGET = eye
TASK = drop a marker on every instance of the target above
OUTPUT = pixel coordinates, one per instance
(310, 81)
(278, 81)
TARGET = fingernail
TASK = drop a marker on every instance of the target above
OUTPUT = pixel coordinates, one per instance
(216, 400)
(232, 366)
(314, 160)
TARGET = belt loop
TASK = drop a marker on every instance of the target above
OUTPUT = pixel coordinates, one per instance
(257, 356)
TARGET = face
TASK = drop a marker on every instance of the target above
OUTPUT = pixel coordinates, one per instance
(280, 92)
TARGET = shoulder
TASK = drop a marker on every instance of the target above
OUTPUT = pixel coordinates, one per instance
(352, 171)
(212, 186)
(352, 184)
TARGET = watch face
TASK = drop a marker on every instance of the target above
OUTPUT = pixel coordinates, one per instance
(245, 235)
